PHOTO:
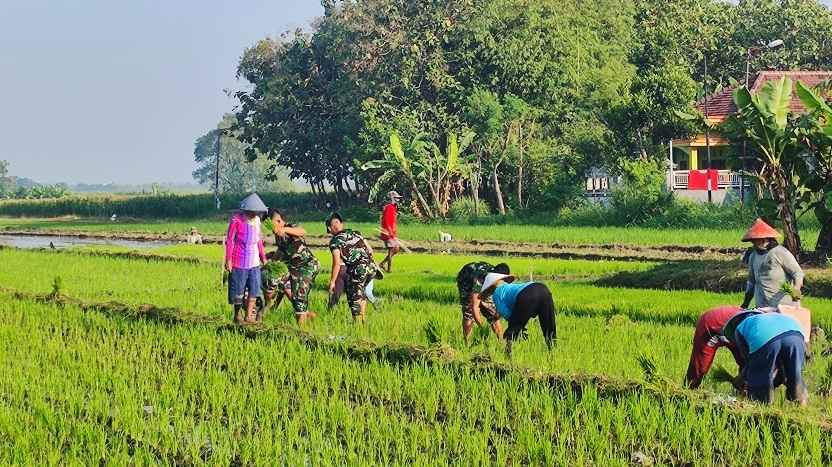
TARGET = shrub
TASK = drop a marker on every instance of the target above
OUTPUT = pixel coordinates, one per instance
(463, 209)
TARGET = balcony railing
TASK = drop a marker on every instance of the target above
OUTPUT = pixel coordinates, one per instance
(725, 179)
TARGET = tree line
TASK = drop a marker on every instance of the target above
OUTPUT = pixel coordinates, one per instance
(505, 101)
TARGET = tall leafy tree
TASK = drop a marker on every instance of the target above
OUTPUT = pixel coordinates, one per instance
(237, 173)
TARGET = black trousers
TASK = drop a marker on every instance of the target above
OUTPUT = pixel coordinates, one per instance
(535, 301)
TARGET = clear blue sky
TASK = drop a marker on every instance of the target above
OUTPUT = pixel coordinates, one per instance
(100, 90)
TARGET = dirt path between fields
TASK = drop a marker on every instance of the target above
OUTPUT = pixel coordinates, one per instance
(457, 247)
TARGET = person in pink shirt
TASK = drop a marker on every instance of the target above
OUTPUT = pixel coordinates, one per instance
(244, 254)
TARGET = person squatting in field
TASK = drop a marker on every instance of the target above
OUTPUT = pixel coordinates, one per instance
(768, 341)
(518, 303)
(275, 286)
(769, 267)
(341, 286)
(707, 338)
(290, 240)
(388, 229)
(469, 284)
(348, 247)
(243, 256)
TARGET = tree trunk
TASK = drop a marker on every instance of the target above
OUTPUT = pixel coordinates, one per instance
(497, 192)
(791, 237)
(824, 248)
(520, 165)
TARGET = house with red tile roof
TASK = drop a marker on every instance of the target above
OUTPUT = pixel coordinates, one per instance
(688, 159)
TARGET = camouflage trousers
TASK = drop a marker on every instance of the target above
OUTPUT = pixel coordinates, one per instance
(357, 278)
(301, 278)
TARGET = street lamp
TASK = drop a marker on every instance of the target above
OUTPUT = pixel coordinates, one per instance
(771, 45)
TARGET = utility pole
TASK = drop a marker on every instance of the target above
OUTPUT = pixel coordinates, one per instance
(217, 173)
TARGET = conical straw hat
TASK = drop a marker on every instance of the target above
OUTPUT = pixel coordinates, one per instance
(253, 203)
(490, 282)
(760, 230)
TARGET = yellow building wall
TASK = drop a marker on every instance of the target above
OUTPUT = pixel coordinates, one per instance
(694, 159)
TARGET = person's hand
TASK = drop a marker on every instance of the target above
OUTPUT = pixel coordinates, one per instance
(738, 382)
(228, 266)
(331, 288)
(744, 305)
(280, 232)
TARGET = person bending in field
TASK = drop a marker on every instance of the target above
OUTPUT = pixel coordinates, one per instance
(469, 284)
(276, 284)
(348, 247)
(290, 240)
(388, 229)
(518, 303)
(766, 341)
(707, 339)
(243, 256)
(341, 286)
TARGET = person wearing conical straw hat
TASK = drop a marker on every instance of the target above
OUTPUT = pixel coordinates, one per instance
(244, 254)
(518, 303)
(768, 341)
(194, 238)
(388, 229)
(769, 267)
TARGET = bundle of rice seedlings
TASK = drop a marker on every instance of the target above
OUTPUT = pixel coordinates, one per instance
(651, 371)
(268, 225)
(433, 331)
(721, 375)
(789, 289)
(275, 269)
(57, 286)
(825, 385)
(481, 336)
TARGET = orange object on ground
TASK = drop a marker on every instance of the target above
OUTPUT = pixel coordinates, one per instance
(802, 315)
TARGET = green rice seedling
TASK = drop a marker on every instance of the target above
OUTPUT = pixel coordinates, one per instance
(57, 286)
(720, 374)
(434, 331)
(790, 290)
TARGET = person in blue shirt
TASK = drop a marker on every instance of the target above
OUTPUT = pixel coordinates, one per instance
(518, 303)
(766, 341)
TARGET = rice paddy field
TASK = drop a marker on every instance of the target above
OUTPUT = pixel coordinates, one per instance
(430, 232)
(115, 357)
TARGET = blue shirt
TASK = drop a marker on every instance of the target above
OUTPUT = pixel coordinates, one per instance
(758, 330)
(505, 296)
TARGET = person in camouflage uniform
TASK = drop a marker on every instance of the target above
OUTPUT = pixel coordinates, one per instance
(303, 265)
(469, 283)
(350, 248)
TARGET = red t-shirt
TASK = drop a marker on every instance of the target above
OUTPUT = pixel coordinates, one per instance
(388, 222)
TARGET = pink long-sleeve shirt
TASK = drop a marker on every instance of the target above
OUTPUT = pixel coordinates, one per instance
(244, 243)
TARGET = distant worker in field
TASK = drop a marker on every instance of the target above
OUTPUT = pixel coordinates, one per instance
(469, 284)
(518, 303)
(388, 229)
(290, 240)
(243, 256)
(341, 286)
(350, 248)
(769, 267)
(766, 341)
(275, 283)
(194, 238)
(707, 338)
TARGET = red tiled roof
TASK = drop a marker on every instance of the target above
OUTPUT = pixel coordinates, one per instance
(721, 104)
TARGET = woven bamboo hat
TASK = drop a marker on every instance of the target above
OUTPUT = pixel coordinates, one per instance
(760, 230)
(490, 282)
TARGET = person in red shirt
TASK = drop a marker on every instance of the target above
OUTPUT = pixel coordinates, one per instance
(388, 229)
(707, 339)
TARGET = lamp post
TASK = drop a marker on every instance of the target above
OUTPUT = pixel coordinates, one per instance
(217, 173)
(771, 45)
(707, 131)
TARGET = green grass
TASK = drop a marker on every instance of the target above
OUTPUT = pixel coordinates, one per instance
(430, 232)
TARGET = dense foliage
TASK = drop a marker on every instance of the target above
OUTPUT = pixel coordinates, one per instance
(548, 89)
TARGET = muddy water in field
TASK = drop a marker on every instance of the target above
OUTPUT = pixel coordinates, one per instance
(59, 241)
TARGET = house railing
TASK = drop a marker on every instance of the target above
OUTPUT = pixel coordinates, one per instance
(725, 179)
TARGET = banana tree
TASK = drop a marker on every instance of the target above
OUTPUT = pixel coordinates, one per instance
(408, 161)
(443, 168)
(815, 169)
(763, 121)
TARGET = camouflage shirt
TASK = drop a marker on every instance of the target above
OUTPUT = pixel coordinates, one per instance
(471, 275)
(352, 247)
(294, 249)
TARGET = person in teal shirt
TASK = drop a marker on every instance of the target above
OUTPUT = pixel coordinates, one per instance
(519, 303)
(766, 341)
